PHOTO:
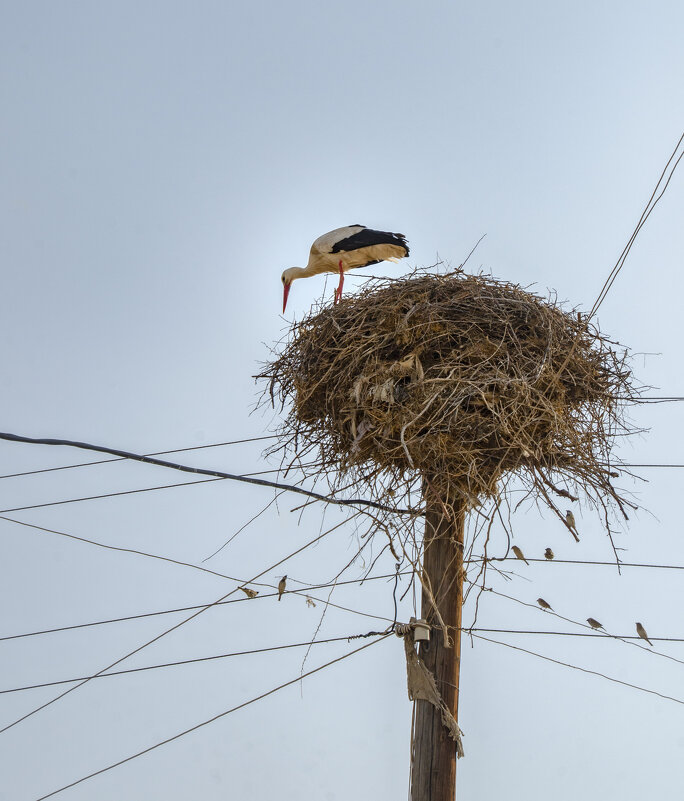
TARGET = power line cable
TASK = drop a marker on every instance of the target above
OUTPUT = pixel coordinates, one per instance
(183, 662)
(108, 495)
(576, 667)
(123, 459)
(594, 635)
(131, 492)
(197, 471)
(660, 399)
(304, 592)
(649, 465)
(650, 206)
(211, 720)
(584, 562)
(118, 548)
(169, 630)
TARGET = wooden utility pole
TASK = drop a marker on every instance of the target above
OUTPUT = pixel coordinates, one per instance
(433, 774)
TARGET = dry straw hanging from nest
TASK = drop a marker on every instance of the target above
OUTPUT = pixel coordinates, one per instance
(458, 380)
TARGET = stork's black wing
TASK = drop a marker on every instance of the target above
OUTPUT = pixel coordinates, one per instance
(368, 237)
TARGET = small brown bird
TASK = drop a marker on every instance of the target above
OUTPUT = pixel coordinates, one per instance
(641, 631)
(281, 587)
(544, 604)
(594, 623)
(548, 553)
(309, 602)
(570, 520)
(519, 554)
(249, 593)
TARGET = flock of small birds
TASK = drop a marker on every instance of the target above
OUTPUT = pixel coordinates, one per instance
(549, 554)
(250, 593)
(641, 631)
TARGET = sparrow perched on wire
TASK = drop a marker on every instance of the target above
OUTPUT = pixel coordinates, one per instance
(594, 623)
(544, 604)
(548, 553)
(281, 587)
(309, 602)
(519, 554)
(641, 631)
(249, 593)
(570, 521)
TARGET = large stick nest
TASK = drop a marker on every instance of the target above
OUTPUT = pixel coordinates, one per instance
(457, 380)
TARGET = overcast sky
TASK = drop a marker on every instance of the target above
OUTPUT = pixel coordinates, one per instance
(162, 163)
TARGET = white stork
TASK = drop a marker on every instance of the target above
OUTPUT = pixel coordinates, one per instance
(345, 249)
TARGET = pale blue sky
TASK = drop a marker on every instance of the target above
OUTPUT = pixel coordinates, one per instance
(162, 162)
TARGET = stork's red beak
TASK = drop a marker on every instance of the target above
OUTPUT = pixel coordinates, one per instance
(286, 292)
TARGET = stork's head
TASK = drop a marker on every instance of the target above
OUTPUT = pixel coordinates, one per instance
(287, 277)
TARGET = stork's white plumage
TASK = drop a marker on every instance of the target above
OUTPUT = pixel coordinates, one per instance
(346, 249)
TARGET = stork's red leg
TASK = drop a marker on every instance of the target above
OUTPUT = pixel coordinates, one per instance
(338, 291)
